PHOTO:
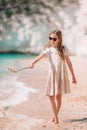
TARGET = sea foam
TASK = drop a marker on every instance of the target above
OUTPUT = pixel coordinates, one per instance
(13, 92)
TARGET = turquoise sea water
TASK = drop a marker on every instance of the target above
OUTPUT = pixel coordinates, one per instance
(15, 55)
(11, 60)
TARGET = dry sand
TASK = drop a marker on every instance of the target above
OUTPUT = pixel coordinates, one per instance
(35, 113)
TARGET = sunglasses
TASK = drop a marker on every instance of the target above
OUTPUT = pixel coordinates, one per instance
(54, 39)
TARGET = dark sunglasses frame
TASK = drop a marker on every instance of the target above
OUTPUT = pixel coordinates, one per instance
(51, 38)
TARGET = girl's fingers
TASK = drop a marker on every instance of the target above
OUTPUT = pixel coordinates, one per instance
(31, 66)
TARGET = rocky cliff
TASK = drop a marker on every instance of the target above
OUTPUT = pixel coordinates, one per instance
(25, 24)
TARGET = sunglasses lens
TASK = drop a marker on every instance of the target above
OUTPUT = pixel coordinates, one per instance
(50, 38)
(54, 39)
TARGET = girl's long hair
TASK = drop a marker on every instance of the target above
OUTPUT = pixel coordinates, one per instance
(60, 47)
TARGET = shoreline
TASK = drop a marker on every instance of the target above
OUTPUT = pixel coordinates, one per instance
(35, 112)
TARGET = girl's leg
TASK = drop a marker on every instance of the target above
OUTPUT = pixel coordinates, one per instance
(53, 104)
(58, 99)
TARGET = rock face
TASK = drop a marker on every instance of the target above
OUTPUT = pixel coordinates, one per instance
(25, 24)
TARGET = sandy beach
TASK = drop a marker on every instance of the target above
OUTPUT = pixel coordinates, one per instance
(35, 112)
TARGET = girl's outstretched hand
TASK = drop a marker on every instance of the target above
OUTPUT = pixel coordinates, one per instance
(74, 80)
(31, 66)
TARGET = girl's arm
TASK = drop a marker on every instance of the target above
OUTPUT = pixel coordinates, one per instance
(36, 60)
(70, 68)
(30, 66)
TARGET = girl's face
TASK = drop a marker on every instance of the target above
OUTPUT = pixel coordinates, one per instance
(54, 40)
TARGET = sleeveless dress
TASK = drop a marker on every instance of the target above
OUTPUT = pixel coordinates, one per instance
(57, 80)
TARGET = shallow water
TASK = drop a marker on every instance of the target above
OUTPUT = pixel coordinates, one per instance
(12, 91)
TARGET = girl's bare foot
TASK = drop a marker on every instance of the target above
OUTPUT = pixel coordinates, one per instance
(53, 119)
(56, 121)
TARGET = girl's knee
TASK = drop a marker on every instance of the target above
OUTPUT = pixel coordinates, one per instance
(51, 97)
(59, 96)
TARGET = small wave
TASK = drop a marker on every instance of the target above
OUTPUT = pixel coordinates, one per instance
(13, 92)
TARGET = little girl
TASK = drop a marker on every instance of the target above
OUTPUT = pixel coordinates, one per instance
(57, 81)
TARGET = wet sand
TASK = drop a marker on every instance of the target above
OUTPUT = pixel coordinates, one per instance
(35, 112)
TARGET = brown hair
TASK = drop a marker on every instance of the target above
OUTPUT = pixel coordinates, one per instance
(60, 47)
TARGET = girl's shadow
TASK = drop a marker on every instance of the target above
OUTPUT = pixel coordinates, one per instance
(82, 120)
